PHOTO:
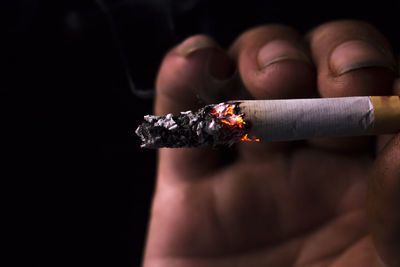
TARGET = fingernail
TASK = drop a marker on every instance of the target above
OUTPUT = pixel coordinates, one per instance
(195, 43)
(357, 54)
(280, 50)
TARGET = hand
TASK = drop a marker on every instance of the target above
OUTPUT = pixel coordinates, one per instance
(318, 202)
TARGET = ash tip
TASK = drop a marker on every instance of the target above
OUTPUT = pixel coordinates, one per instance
(212, 125)
(144, 135)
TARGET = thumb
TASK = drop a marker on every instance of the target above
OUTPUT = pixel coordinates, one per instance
(384, 203)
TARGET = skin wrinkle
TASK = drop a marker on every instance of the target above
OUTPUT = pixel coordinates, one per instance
(299, 242)
(312, 243)
(367, 258)
(217, 220)
(222, 196)
(287, 169)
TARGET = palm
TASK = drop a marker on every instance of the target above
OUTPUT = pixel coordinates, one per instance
(306, 205)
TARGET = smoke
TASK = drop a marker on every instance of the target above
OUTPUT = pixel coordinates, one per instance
(163, 10)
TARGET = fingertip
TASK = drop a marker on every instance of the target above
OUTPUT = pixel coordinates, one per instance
(358, 67)
(191, 73)
(283, 80)
(358, 54)
(285, 71)
(352, 58)
(273, 63)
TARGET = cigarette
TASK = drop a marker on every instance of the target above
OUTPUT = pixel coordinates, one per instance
(231, 122)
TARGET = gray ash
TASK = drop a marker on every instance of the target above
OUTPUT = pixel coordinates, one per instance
(209, 126)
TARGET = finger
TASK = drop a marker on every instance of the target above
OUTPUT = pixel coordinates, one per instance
(273, 63)
(352, 58)
(195, 69)
(384, 203)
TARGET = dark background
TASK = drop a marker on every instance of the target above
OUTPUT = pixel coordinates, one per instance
(76, 186)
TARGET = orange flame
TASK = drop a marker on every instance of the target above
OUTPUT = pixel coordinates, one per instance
(246, 138)
(228, 116)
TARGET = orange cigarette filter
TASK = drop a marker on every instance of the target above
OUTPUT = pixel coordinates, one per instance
(386, 113)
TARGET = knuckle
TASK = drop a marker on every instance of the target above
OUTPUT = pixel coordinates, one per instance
(344, 29)
(259, 35)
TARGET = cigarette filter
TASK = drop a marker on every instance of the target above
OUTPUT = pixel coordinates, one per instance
(273, 120)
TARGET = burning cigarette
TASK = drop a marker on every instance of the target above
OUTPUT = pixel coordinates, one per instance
(272, 120)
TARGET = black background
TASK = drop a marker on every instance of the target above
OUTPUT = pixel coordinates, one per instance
(76, 186)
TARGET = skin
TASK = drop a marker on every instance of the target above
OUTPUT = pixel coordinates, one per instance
(323, 202)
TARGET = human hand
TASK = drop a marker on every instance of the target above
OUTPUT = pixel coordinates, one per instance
(321, 202)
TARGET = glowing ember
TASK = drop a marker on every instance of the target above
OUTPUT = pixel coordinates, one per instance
(246, 138)
(226, 113)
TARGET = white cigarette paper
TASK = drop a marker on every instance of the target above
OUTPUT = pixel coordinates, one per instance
(297, 119)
